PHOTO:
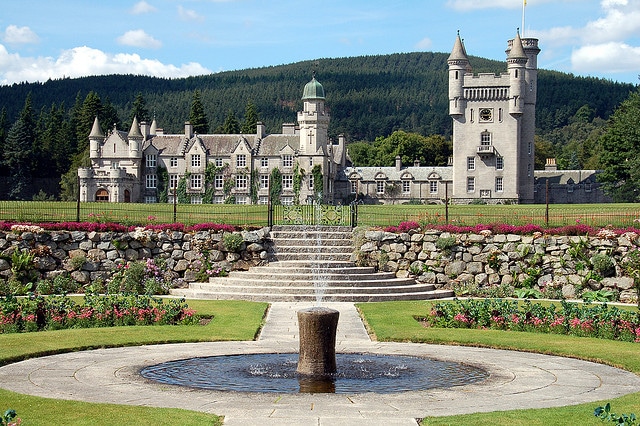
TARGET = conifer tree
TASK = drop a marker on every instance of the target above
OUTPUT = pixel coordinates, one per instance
(139, 109)
(16, 158)
(231, 124)
(197, 116)
(250, 118)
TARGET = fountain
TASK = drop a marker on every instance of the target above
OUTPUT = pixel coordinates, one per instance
(317, 368)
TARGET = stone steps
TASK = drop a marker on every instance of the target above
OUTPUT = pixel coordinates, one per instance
(311, 264)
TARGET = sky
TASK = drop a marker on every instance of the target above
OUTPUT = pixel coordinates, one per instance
(45, 39)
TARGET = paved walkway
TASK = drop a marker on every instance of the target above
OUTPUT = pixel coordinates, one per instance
(517, 380)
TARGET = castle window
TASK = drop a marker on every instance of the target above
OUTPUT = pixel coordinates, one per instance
(218, 199)
(287, 160)
(380, 187)
(286, 201)
(485, 138)
(152, 160)
(354, 186)
(433, 186)
(471, 184)
(152, 181)
(587, 186)
(499, 186)
(241, 160)
(406, 186)
(218, 181)
(528, 170)
(499, 163)
(241, 182)
(218, 162)
(263, 200)
(241, 199)
(264, 181)
(500, 117)
(471, 163)
(173, 181)
(287, 181)
(196, 160)
(196, 182)
(196, 199)
(264, 162)
(150, 199)
(310, 181)
(102, 196)
(173, 162)
(310, 161)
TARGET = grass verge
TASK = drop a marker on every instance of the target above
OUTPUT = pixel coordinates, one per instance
(395, 321)
(231, 320)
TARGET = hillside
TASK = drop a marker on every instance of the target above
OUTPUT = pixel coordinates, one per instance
(368, 96)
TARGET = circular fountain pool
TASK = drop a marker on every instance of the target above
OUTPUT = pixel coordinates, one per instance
(357, 373)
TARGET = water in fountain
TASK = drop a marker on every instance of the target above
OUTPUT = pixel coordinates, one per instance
(318, 273)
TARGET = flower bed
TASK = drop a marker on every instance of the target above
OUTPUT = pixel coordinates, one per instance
(600, 321)
(37, 313)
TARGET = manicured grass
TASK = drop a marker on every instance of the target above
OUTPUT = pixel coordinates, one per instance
(232, 320)
(395, 321)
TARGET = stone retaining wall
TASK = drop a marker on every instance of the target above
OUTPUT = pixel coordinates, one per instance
(98, 253)
(556, 265)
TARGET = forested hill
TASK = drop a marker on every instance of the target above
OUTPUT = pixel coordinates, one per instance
(367, 96)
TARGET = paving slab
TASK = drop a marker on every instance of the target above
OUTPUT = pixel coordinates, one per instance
(516, 379)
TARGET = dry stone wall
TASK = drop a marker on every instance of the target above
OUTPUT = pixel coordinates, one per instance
(559, 266)
(97, 254)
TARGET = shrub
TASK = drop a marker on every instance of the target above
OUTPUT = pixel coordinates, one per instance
(232, 241)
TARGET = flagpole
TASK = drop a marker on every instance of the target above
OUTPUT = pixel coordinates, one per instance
(524, 4)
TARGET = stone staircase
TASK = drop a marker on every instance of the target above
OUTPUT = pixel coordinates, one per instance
(311, 263)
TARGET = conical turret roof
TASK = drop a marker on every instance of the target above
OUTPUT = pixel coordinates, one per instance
(135, 132)
(517, 51)
(96, 131)
(458, 53)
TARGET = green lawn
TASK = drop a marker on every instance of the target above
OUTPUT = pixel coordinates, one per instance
(394, 321)
(232, 320)
(236, 320)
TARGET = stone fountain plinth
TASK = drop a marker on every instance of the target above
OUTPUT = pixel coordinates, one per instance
(317, 356)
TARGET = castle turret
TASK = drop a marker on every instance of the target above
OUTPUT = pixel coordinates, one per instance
(135, 140)
(96, 138)
(313, 120)
(458, 67)
(516, 64)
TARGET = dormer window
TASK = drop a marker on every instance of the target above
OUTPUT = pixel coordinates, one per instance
(196, 160)
(241, 160)
(287, 160)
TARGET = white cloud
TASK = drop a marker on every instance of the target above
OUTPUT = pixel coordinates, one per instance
(189, 15)
(609, 57)
(19, 35)
(424, 44)
(84, 61)
(139, 38)
(143, 7)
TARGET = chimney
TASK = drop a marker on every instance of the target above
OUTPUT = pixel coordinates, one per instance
(416, 163)
(261, 130)
(188, 129)
(398, 163)
(551, 165)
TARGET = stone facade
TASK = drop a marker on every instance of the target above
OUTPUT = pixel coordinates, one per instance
(103, 251)
(556, 265)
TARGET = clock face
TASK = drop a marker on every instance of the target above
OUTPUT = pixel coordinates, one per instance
(485, 114)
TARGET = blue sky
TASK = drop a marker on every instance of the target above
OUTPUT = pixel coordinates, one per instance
(42, 39)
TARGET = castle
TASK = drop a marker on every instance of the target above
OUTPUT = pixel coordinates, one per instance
(493, 153)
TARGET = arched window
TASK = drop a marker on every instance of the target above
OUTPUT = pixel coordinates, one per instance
(127, 196)
(102, 195)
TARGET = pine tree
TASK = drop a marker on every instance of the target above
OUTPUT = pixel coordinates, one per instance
(250, 118)
(197, 116)
(16, 158)
(231, 124)
(139, 110)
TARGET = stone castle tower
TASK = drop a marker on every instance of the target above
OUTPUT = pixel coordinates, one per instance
(494, 124)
